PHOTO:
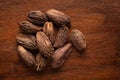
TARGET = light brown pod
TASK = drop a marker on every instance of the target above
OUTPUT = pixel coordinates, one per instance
(58, 18)
(61, 37)
(26, 56)
(78, 39)
(61, 55)
(27, 41)
(48, 29)
(37, 17)
(28, 27)
(40, 62)
(44, 44)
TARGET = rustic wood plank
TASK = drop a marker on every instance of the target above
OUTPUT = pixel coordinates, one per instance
(99, 20)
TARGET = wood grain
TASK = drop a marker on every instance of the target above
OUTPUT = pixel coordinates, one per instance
(99, 20)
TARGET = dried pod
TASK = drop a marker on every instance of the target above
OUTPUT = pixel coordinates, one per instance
(37, 17)
(48, 29)
(78, 39)
(44, 44)
(61, 37)
(61, 55)
(40, 62)
(58, 18)
(28, 27)
(26, 56)
(27, 41)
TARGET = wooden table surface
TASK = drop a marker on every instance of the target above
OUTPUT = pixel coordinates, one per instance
(99, 20)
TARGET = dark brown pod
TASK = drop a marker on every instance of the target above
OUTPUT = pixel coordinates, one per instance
(26, 56)
(28, 27)
(61, 37)
(78, 39)
(61, 55)
(44, 44)
(40, 62)
(58, 18)
(37, 17)
(27, 41)
(48, 29)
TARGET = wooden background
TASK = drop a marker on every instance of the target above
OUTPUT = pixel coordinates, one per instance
(99, 20)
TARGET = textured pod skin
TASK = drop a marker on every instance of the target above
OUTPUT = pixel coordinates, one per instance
(48, 29)
(40, 62)
(61, 55)
(61, 37)
(26, 56)
(27, 41)
(37, 17)
(58, 18)
(44, 44)
(78, 39)
(28, 27)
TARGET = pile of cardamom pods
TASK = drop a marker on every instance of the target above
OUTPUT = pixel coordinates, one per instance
(48, 34)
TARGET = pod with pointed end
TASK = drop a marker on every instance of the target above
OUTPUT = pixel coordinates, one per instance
(48, 29)
(61, 37)
(27, 41)
(37, 17)
(44, 44)
(61, 55)
(40, 62)
(26, 56)
(28, 27)
(78, 39)
(58, 18)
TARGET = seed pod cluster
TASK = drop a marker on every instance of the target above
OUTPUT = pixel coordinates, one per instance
(44, 39)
